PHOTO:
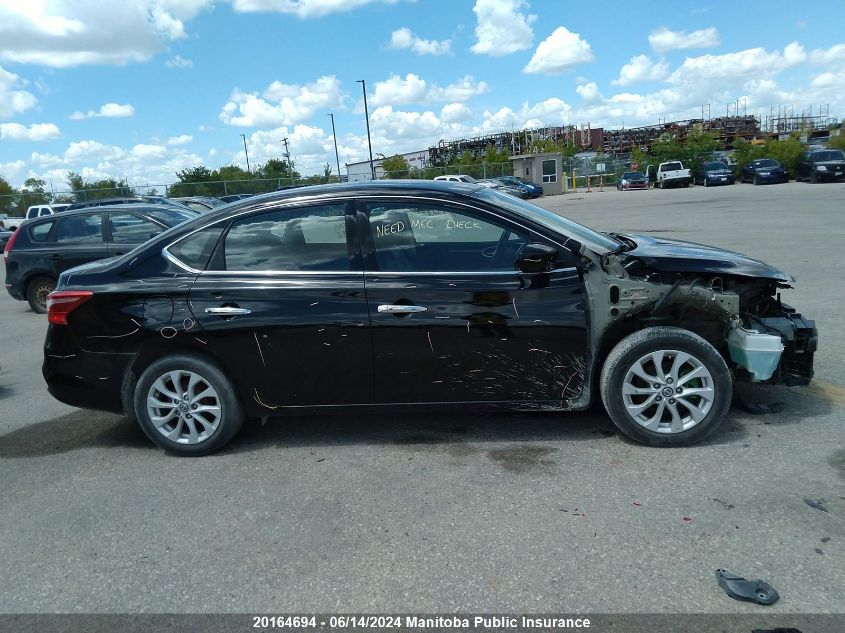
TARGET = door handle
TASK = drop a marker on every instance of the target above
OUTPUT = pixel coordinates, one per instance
(395, 309)
(228, 311)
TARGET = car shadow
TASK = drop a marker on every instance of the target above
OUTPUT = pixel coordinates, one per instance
(84, 429)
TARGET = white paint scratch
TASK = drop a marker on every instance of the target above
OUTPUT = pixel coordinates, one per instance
(430, 344)
(515, 311)
(260, 353)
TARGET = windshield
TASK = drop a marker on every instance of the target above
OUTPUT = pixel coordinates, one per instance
(630, 175)
(829, 155)
(766, 162)
(596, 242)
(467, 179)
(714, 166)
(172, 216)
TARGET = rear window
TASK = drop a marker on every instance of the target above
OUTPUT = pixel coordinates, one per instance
(80, 229)
(671, 167)
(40, 231)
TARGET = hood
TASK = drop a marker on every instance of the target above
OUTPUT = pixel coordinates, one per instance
(677, 256)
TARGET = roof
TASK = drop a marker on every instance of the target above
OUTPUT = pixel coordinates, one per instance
(134, 206)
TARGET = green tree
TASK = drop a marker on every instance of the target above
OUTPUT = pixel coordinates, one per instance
(8, 197)
(32, 193)
(90, 190)
(395, 167)
(838, 141)
(787, 152)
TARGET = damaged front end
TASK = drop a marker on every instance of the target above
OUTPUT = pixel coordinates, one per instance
(730, 300)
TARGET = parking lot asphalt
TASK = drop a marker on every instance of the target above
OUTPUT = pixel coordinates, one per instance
(511, 512)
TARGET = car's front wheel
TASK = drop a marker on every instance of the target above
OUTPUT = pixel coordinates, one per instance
(666, 386)
(187, 405)
(37, 291)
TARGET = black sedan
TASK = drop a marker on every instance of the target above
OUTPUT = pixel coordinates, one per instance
(712, 173)
(763, 171)
(43, 248)
(414, 294)
(821, 165)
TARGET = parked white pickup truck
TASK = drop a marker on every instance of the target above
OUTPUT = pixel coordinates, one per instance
(672, 173)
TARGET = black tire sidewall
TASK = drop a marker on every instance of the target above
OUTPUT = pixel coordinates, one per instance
(703, 352)
(232, 411)
(31, 289)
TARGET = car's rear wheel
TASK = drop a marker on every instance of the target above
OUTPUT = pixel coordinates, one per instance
(187, 405)
(37, 291)
(666, 386)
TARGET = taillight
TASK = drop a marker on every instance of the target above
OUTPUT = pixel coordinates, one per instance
(9, 245)
(61, 303)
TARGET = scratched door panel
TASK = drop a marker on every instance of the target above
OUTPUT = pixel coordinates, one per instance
(483, 338)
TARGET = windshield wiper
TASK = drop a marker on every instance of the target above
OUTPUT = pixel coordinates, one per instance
(625, 244)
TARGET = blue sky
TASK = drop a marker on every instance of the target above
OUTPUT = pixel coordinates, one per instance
(141, 89)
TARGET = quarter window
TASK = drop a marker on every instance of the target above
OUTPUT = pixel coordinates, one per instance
(549, 171)
(411, 237)
(127, 228)
(40, 231)
(80, 229)
(312, 238)
(195, 249)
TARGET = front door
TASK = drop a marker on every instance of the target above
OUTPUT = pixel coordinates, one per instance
(281, 302)
(453, 320)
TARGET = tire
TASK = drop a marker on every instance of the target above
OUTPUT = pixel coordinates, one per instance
(187, 437)
(635, 352)
(686, 184)
(37, 291)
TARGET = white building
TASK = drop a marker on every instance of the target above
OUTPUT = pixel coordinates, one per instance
(361, 170)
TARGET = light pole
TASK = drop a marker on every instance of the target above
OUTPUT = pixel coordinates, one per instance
(243, 136)
(287, 155)
(336, 155)
(367, 118)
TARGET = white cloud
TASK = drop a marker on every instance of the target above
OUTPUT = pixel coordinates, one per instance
(834, 54)
(662, 39)
(560, 51)
(752, 62)
(108, 110)
(455, 113)
(178, 62)
(281, 104)
(91, 31)
(405, 38)
(398, 91)
(502, 27)
(182, 139)
(302, 8)
(462, 90)
(642, 68)
(13, 101)
(35, 132)
(589, 92)
(139, 164)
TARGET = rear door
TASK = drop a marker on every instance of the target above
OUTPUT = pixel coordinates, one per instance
(283, 302)
(452, 318)
(76, 239)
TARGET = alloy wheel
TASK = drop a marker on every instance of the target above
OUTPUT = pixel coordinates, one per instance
(184, 407)
(668, 391)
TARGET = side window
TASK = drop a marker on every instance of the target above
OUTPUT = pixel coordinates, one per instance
(40, 231)
(127, 228)
(549, 171)
(194, 250)
(44, 211)
(80, 229)
(410, 237)
(310, 238)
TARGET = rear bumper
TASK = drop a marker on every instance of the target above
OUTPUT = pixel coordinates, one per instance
(717, 180)
(86, 380)
(773, 178)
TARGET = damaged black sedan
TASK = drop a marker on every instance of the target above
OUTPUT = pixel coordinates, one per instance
(416, 294)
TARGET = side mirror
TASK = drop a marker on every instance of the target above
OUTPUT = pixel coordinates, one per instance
(536, 258)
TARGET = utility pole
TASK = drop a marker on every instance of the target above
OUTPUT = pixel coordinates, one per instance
(243, 136)
(287, 155)
(367, 118)
(336, 155)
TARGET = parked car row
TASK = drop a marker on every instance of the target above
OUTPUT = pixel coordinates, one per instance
(506, 184)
